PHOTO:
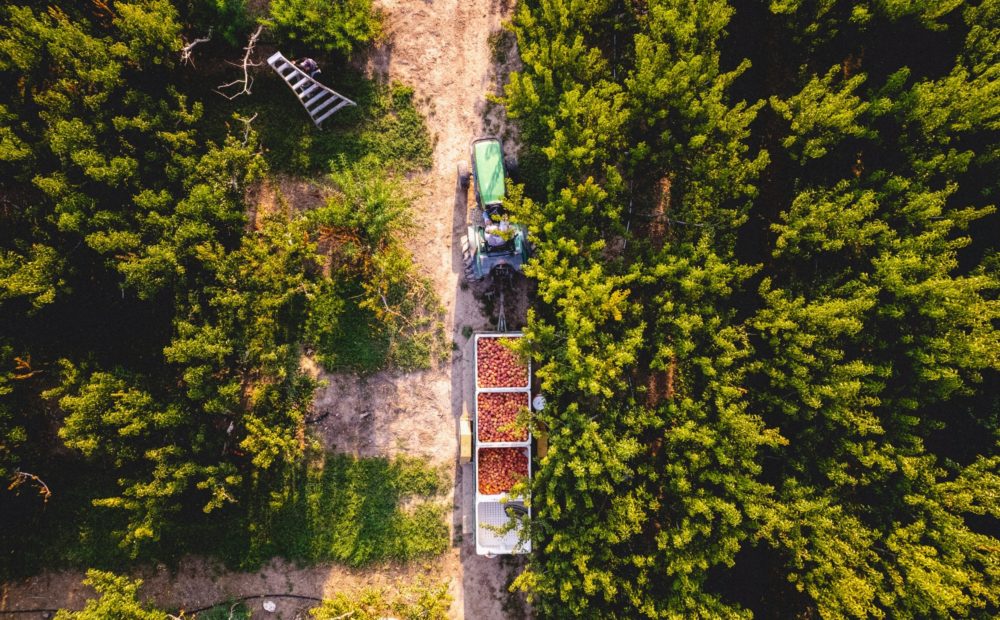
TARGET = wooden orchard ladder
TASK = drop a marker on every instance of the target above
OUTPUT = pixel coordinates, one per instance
(318, 100)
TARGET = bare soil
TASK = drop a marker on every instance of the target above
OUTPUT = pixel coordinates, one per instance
(443, 49)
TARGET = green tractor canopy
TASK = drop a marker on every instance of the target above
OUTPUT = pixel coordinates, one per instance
(487, 157)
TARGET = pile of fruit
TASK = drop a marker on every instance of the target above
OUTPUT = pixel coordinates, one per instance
(496, 413)
(500, 468)
(497, 366)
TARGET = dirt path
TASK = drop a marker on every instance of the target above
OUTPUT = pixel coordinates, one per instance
(441, 48)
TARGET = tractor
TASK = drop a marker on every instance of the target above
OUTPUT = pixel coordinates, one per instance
(495, 246)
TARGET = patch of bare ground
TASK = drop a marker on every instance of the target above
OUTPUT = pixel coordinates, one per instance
(278, 192)
(198, 583)
(453, 53)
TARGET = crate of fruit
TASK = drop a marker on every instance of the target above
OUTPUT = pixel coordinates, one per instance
(497, 366)
(500, 418)
(498, 469)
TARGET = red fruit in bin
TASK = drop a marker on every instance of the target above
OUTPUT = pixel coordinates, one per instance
(498, 366)
(500, 468)
(496, 416)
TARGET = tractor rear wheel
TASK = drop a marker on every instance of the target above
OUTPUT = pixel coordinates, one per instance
(463, 174)
(468, 259)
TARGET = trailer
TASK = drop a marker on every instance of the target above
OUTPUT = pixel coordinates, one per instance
(502, 452)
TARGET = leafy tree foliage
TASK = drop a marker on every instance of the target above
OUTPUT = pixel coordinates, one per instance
(147, 321)
(229, 18)
(819, 115)
(882, 329)
(340, 27)
(637, 498)
(117, 597)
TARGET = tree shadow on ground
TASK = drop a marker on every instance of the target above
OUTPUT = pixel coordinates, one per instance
(335, 508)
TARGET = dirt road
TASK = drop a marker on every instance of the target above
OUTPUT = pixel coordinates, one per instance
(442, 48)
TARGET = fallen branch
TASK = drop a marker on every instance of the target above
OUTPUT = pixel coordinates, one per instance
(102, 10)
(23, 369)
(247, 80)
(395, 313)
(186, 57)
(22, 477)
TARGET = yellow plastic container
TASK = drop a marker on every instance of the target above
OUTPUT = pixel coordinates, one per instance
(465, 438)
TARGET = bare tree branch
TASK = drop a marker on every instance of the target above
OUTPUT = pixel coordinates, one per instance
(23, 477)
(247, 63)
(395, 313)
(186, 57)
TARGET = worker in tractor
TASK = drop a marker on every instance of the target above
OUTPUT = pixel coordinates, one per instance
(310, 66)
(498, 234)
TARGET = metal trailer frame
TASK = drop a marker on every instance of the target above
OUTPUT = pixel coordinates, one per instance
(489, 509)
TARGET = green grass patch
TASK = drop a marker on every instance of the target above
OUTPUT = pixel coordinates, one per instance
(336, 508)
(420, 601)
(350, 337)
(346, 336)
(347, 510)
(226, 611)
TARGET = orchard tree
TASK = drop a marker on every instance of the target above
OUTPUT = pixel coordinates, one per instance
(340, 27)
(701, 408)
(822, 114)
(569, 109)
(117, 597)
(685, 127)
